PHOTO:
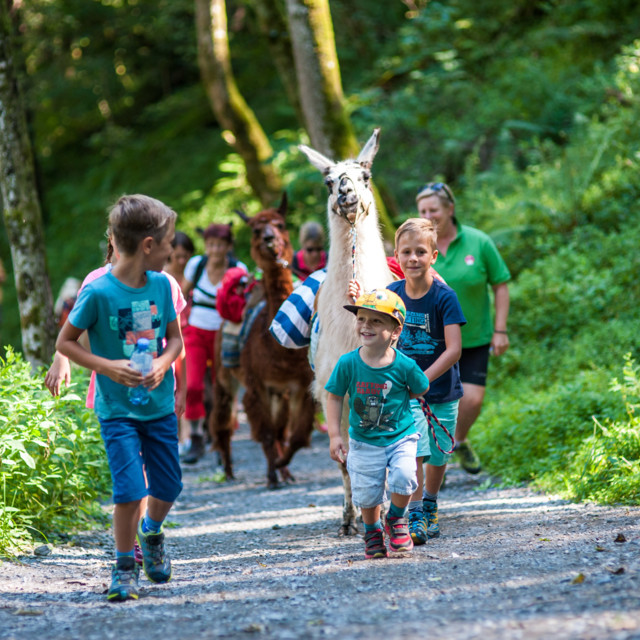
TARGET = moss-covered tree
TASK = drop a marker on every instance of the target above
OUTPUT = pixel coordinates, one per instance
(272, 21)
(22, 214)
(242, 129)
(320, 85)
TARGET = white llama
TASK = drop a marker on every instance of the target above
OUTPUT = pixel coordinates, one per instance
(355, 245)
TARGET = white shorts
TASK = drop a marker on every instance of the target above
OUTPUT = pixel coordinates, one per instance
(367, 466)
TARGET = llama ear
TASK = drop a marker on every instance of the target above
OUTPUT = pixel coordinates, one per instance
(320, 162)
(368, 153)
(284, 205)
(242, 214)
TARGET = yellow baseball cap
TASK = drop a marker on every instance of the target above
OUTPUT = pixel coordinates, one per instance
(382, 301)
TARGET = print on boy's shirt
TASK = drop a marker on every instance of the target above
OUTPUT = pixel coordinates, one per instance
(371, 409)
(415, 338)
(140, 320)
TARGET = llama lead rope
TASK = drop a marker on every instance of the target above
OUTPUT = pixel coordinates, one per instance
(431, 417)
(354, 235)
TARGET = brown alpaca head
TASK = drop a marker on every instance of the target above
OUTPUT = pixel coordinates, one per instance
(270, 244)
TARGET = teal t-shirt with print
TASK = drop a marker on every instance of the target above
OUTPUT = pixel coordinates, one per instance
(471, 265)
(379, 411)
(115, 317)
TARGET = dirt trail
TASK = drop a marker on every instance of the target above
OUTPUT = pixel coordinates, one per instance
(252, 563)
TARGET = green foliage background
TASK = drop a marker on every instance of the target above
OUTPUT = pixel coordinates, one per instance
(53, 469)
(528, 109)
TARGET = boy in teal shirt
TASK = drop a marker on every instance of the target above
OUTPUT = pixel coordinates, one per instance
(382, 433)
(130, 302)
(430, 337)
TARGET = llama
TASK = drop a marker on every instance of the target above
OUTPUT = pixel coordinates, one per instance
(277, 400)
(355, 250)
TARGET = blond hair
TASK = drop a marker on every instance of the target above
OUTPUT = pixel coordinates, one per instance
(440, 189)
(136, 217)
(418, 226)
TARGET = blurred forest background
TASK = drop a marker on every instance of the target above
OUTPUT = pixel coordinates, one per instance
(529, 109)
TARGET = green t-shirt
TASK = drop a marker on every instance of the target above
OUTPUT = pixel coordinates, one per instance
(379, 411)
(471, 265)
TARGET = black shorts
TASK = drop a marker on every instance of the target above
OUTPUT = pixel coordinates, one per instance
(474, 363)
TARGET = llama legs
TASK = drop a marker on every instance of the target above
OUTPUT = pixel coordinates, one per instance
(222, 419)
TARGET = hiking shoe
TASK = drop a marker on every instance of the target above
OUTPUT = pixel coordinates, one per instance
(196, 450)
(374, 546)
(156, 564)
(137, 553)
(430, 510)
(398, 532)
(418, 527)
(467, 458)
(124, 580)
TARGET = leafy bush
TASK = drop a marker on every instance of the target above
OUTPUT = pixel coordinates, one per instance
(606, 466)
(52, 463)
(524, 436)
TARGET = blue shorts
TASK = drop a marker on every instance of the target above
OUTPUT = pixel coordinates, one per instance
(367, 466)
(447, 413)
(131, 443)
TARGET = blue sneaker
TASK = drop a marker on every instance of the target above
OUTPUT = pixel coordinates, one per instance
(124, 580)
(155, 562)
(418, 527)
(430, 510)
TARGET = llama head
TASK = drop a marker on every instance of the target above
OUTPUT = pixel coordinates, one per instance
(270, 244)
(349, 182)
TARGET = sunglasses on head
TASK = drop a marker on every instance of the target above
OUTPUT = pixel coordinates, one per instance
(435, 187)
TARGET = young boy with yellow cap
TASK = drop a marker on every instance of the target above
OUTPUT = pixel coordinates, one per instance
(383, 436)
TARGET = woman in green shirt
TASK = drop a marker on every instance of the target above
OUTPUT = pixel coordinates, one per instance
(470, 263)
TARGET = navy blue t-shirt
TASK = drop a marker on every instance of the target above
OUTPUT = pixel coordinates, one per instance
(422, 338)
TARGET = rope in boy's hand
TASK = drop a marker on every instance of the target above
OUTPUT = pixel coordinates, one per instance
(431, 418)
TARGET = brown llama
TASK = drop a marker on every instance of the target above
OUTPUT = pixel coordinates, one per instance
(277, 399)
(355, 245)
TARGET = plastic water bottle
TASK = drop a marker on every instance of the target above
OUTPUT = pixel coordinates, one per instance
(141, 360)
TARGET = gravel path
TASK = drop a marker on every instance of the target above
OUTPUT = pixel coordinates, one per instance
(252, 563)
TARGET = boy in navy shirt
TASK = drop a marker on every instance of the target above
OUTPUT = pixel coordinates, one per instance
(431, 336)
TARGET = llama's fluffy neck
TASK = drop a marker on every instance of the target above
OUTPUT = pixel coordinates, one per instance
(337, 326)
(278, 285)
(371, 266)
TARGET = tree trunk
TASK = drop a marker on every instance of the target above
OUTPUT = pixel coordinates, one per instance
(320, 86)
(319, 81)
(243, 131)
(272, 21)
(22, 214)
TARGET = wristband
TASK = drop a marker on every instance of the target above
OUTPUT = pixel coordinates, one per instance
(498, 331)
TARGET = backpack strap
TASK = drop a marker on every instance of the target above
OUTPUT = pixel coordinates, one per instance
(233, 262)
(199, 270)
(196, 278)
